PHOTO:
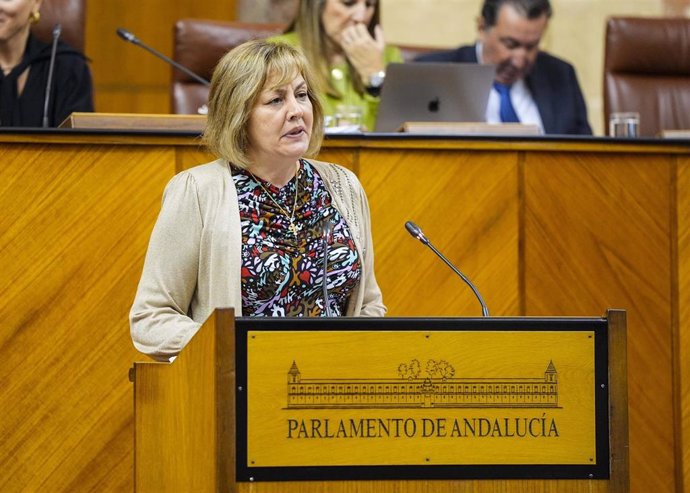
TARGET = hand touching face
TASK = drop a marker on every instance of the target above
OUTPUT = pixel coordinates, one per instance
(346, 24)
(340, 15)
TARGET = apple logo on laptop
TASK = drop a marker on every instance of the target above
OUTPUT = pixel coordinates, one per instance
(434, 105)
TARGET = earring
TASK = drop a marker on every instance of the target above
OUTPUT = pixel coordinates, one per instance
(34, 17)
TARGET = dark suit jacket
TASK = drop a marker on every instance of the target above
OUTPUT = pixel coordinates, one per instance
(553, 85)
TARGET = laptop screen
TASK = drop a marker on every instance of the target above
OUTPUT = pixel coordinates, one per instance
(434, 92)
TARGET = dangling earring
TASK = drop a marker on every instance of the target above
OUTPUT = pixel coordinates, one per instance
(34, 17)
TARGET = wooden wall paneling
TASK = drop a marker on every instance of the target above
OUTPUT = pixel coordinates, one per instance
(77, 214)
(188, 157)
(682, 336)
(73, 232)
(597, 236)
(127, 78)
(467, 204)
(347, 157)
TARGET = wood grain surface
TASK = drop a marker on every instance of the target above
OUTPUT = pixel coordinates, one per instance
(543, 227)
(178, 405)
(73, 231)
(598, 232)
(681, 319)
(126, 77)
(467, 205)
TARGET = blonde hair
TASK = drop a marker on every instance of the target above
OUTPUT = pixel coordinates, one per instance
(318, 49)
(238, 80)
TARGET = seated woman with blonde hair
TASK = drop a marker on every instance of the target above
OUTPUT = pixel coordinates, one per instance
(343, 41)
(249, 230)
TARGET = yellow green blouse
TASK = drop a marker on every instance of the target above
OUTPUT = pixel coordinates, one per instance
(340, 78)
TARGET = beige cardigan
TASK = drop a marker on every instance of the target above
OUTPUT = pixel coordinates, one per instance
(193, 261)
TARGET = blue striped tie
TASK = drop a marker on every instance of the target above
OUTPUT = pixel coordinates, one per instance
(506, 110)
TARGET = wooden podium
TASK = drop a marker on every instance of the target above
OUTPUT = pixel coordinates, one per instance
(198, 420)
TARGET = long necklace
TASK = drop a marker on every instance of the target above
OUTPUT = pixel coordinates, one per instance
(291, 217)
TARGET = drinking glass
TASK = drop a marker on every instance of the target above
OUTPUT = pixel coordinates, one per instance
(348, 116)
(624, 124)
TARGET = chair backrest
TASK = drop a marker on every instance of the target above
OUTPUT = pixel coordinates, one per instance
(647, 70)
(198, 45)
(70, 14)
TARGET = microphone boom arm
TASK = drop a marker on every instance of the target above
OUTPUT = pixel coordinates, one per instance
(131, 38)
(485, 310)
(57, 30)
(327, 232)
(416, 232)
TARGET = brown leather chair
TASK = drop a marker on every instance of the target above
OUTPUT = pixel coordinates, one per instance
(70, 14)
(647, 70)
(198, 45)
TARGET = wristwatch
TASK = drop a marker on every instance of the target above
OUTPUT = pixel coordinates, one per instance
(376, 79)
(375, 82)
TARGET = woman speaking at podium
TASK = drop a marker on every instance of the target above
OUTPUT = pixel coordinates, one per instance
(257, 228)
(25, 63)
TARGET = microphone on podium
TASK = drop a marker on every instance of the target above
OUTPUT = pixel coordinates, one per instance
(131, 38)
(327, 234)
(416, 232)
(57, 30)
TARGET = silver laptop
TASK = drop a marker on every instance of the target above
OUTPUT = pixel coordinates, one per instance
(434, 92)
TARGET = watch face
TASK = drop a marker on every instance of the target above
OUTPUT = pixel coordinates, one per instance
(376, 79)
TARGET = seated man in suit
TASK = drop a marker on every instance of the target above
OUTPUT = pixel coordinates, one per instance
(531, 86)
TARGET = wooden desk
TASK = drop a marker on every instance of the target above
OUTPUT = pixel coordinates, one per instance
(542, 226)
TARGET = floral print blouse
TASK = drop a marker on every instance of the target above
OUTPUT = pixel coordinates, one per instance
(282, 265)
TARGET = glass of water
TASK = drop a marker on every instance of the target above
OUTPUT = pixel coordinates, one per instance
(624, 124)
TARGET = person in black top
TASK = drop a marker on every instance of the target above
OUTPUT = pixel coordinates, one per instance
(24, 67)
